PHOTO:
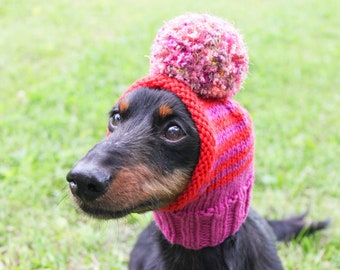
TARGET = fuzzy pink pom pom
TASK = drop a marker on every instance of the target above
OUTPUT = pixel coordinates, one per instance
(202, 51)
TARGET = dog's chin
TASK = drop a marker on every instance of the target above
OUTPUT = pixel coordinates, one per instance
(104, 214)
(101, 213)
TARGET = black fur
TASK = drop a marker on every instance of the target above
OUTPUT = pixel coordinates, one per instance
(143, 165)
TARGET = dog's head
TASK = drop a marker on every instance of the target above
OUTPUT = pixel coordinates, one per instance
(144, 163)
(177, 140)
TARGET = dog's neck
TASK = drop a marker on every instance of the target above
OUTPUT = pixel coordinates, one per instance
(210, 219)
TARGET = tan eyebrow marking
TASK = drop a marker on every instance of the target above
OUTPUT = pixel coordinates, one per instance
(124, 106)
(165, 110)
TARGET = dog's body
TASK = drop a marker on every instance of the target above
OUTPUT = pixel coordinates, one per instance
(145, 162)
(251, 248)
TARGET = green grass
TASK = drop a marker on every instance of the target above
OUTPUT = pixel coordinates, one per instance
(64, 63)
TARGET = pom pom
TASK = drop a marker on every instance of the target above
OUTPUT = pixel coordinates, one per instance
(202, 51)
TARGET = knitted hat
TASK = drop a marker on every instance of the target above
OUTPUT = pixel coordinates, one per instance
(202, 60)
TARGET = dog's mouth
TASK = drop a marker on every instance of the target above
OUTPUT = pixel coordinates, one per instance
(103, 213)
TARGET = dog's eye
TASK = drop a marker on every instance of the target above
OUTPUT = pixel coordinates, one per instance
(174, 133)
(115, 119)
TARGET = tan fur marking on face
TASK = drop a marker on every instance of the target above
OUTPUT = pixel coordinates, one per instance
(139, 184)
(165, 110)
(124, 105)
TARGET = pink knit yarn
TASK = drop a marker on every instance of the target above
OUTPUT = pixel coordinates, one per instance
(210, 220)
(203, 51)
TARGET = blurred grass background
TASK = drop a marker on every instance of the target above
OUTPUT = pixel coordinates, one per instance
(64, 63)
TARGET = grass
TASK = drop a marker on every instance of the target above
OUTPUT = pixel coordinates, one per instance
(64, 63)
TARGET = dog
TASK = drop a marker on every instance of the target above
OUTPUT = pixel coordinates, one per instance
(144, 164)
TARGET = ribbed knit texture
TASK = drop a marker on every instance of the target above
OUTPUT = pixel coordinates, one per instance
(216, 201)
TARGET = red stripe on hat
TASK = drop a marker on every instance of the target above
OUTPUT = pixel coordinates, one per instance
(232, 175)
(232, 162)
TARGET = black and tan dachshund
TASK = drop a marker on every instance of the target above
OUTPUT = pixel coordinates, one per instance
(143, 165)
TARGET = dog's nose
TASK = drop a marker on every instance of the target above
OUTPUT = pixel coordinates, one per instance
(88, 183)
